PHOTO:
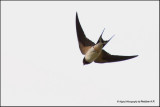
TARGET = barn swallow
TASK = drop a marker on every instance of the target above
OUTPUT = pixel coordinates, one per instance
(94, 52)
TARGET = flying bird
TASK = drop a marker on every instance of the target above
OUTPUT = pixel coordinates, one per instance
(94, 52)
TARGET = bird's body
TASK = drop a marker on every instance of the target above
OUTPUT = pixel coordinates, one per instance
(94, 52)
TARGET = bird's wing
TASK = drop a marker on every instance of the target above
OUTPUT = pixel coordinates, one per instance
(84, 42)
(105, 57)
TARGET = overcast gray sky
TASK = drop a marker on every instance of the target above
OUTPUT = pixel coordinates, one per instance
(42, 63)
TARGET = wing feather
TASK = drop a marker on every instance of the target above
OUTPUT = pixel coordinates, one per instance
(105, 57)
(84, 42)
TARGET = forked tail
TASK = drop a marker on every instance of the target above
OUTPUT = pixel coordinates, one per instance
(103, 41)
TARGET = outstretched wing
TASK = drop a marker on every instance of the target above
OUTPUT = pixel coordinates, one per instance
(105, 57)
(84, 42)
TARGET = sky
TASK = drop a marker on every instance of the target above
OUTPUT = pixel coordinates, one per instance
(42, 64)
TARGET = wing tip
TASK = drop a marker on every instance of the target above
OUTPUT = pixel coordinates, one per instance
(134, 56)
(77, 19)
(128, 57)
(76, 14)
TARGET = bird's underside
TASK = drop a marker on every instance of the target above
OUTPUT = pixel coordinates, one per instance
(85, 46)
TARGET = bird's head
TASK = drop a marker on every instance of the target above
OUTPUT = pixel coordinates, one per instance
(85, 62)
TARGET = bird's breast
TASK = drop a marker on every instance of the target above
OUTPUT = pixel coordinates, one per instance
(92, 54)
